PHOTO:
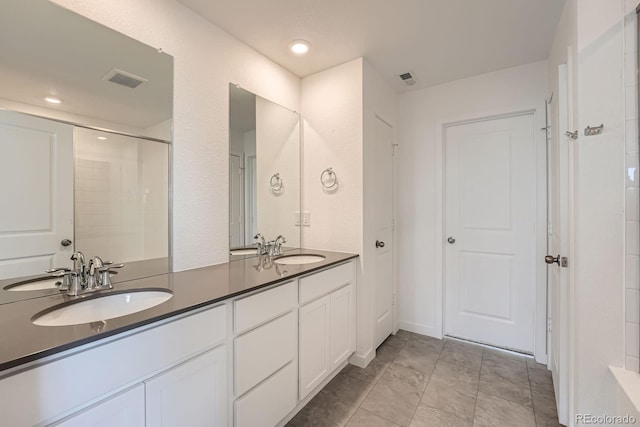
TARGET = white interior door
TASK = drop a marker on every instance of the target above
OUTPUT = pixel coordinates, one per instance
(558, 243)
(383, 221)
(236, 202)
(36, 172)
(490, 231)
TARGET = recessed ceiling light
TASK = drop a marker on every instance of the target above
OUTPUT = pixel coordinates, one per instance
(299, 47)
(102, 138)
(52, 100)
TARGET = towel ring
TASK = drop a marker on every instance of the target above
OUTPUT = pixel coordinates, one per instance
(276, 182)
(328, 179)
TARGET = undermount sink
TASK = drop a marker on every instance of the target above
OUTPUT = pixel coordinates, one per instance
(38, 284)
(101, 307)
(243, 251)
(299, 259)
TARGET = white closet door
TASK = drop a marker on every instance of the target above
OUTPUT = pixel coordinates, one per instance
(490, 231)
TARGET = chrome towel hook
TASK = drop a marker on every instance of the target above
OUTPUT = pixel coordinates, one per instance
(276, 183)
(328, 179)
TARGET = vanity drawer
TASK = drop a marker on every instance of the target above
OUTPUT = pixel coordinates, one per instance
(269, 403)
(263, 351)
(318, 284)
(251, 311)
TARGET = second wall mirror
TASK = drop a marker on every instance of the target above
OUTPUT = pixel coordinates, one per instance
(264, 171)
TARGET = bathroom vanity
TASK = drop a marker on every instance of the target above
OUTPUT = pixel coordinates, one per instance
(234, 346)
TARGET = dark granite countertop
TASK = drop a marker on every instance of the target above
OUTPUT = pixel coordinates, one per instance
(21, 341)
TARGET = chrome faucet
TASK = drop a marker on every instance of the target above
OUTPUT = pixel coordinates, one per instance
(277, 245)
(80, 280)
(95, 264)
(262, 244)
(79, 266)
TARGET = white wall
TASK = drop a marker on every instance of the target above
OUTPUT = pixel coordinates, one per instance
(419, 113)
(206, 59)
(332, 105)
(599, 206)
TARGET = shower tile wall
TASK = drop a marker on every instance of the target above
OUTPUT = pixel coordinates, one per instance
(632, 192)
(121, 200)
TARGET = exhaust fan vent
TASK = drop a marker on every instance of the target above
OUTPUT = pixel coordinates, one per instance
(124, 78)
(407, 78)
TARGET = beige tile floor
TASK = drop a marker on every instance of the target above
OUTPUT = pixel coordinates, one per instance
(420, 381)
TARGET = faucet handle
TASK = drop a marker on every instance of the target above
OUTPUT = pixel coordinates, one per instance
(57, 271)
(71, 281)
(105, 277)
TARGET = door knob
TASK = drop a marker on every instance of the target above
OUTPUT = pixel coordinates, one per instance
(451, 240)
(550, 259)
(66, 242)
(379, 244)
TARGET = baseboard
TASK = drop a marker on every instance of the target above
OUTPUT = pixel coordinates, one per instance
(418, 328)
(362, 360)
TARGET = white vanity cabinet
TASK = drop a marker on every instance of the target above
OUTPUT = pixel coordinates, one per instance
(327, 324)
(141, 374)
(250, 361)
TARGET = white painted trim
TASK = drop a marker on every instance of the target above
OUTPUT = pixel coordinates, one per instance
(431, 331)
(362, 360)
(540, 318)
(573, 149)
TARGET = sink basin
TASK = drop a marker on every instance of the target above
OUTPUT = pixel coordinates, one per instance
(243, 251)
(41, 283)
(299, 259)
(101, 307)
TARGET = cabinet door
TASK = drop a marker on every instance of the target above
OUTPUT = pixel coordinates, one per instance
(124, 410)
(342, 331)
(193, 394)
(314, 344)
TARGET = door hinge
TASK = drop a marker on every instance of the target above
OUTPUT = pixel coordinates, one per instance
(394, 149)
(564, 262)
(548, 324)
(549, 229)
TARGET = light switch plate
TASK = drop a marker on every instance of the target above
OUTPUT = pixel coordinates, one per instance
(306, 218)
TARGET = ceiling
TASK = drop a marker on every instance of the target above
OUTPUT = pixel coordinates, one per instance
(437, 40)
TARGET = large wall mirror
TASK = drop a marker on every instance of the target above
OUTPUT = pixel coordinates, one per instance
(264, 171)
(85, 132)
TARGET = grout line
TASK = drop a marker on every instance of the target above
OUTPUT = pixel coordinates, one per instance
(427, 385)
(475, 406)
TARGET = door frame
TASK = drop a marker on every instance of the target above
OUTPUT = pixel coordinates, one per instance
(540, 182)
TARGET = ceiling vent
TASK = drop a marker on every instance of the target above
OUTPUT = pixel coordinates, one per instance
(407, 78)
(124, 78)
